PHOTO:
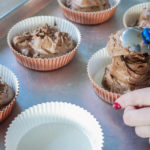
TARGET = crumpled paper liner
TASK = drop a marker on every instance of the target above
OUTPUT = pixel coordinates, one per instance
(47, 63)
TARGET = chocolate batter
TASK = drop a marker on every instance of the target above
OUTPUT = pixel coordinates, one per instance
(6, 94)
(44, 42)
(87, 5)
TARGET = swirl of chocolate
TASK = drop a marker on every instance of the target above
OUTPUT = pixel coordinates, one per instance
(127, 73)
(6, 93)
(130, 68)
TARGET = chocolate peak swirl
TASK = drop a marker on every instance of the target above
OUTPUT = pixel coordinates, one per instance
(87, 5)
(114, 45)
(129, 70)
(127, 73)
(6, 93)
(44, 42)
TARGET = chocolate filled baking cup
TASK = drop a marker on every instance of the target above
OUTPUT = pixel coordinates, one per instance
(132, 14)
(89, 17)
(96, 69)
(44, 64)
(8, 77)
(54, 126)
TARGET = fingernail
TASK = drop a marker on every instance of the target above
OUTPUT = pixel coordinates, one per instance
(116, 106)
(138, 107)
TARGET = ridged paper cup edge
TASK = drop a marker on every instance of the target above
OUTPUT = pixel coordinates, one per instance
(47, 63)
(131, 15)
(88, 17)
(10, 78)
(49, 112)
(107, 96)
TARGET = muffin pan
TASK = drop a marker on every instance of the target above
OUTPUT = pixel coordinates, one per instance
(68, 84)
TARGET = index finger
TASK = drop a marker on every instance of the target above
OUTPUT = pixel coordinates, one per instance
(139, 98)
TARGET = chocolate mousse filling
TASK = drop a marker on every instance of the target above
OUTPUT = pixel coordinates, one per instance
(44, 42)
(6, 94)
(127, 73)
(87, 5)
(129, 70)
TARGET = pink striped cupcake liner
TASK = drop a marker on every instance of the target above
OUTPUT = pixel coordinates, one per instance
(96, 68)
(9, 77)
(89, 17)
(45, 64)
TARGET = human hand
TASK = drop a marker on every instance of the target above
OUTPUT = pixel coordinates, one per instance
(137, 110)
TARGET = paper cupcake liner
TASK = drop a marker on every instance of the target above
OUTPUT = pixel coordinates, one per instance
(9, 77)
(47, 63)
(54, 112)
(132, 14)
(96, 69)
(89, 17)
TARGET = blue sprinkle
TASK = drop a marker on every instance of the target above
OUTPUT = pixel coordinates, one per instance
(146, 35)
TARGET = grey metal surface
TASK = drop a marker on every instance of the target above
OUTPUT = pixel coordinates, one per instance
(71, 83)
(6, 9)
(26, 10)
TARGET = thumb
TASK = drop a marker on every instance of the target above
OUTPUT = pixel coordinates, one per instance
(138, 98)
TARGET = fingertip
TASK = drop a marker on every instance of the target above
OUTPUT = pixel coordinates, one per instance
(119, 103)
(124, 100)
(137, 98)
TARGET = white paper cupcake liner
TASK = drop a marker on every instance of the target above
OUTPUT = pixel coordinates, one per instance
(96, 69)
(47, 63)
(8, 77)
(132, 14)
(48, 114)
(89, 17)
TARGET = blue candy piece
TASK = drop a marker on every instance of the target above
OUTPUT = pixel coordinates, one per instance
(146, 35)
